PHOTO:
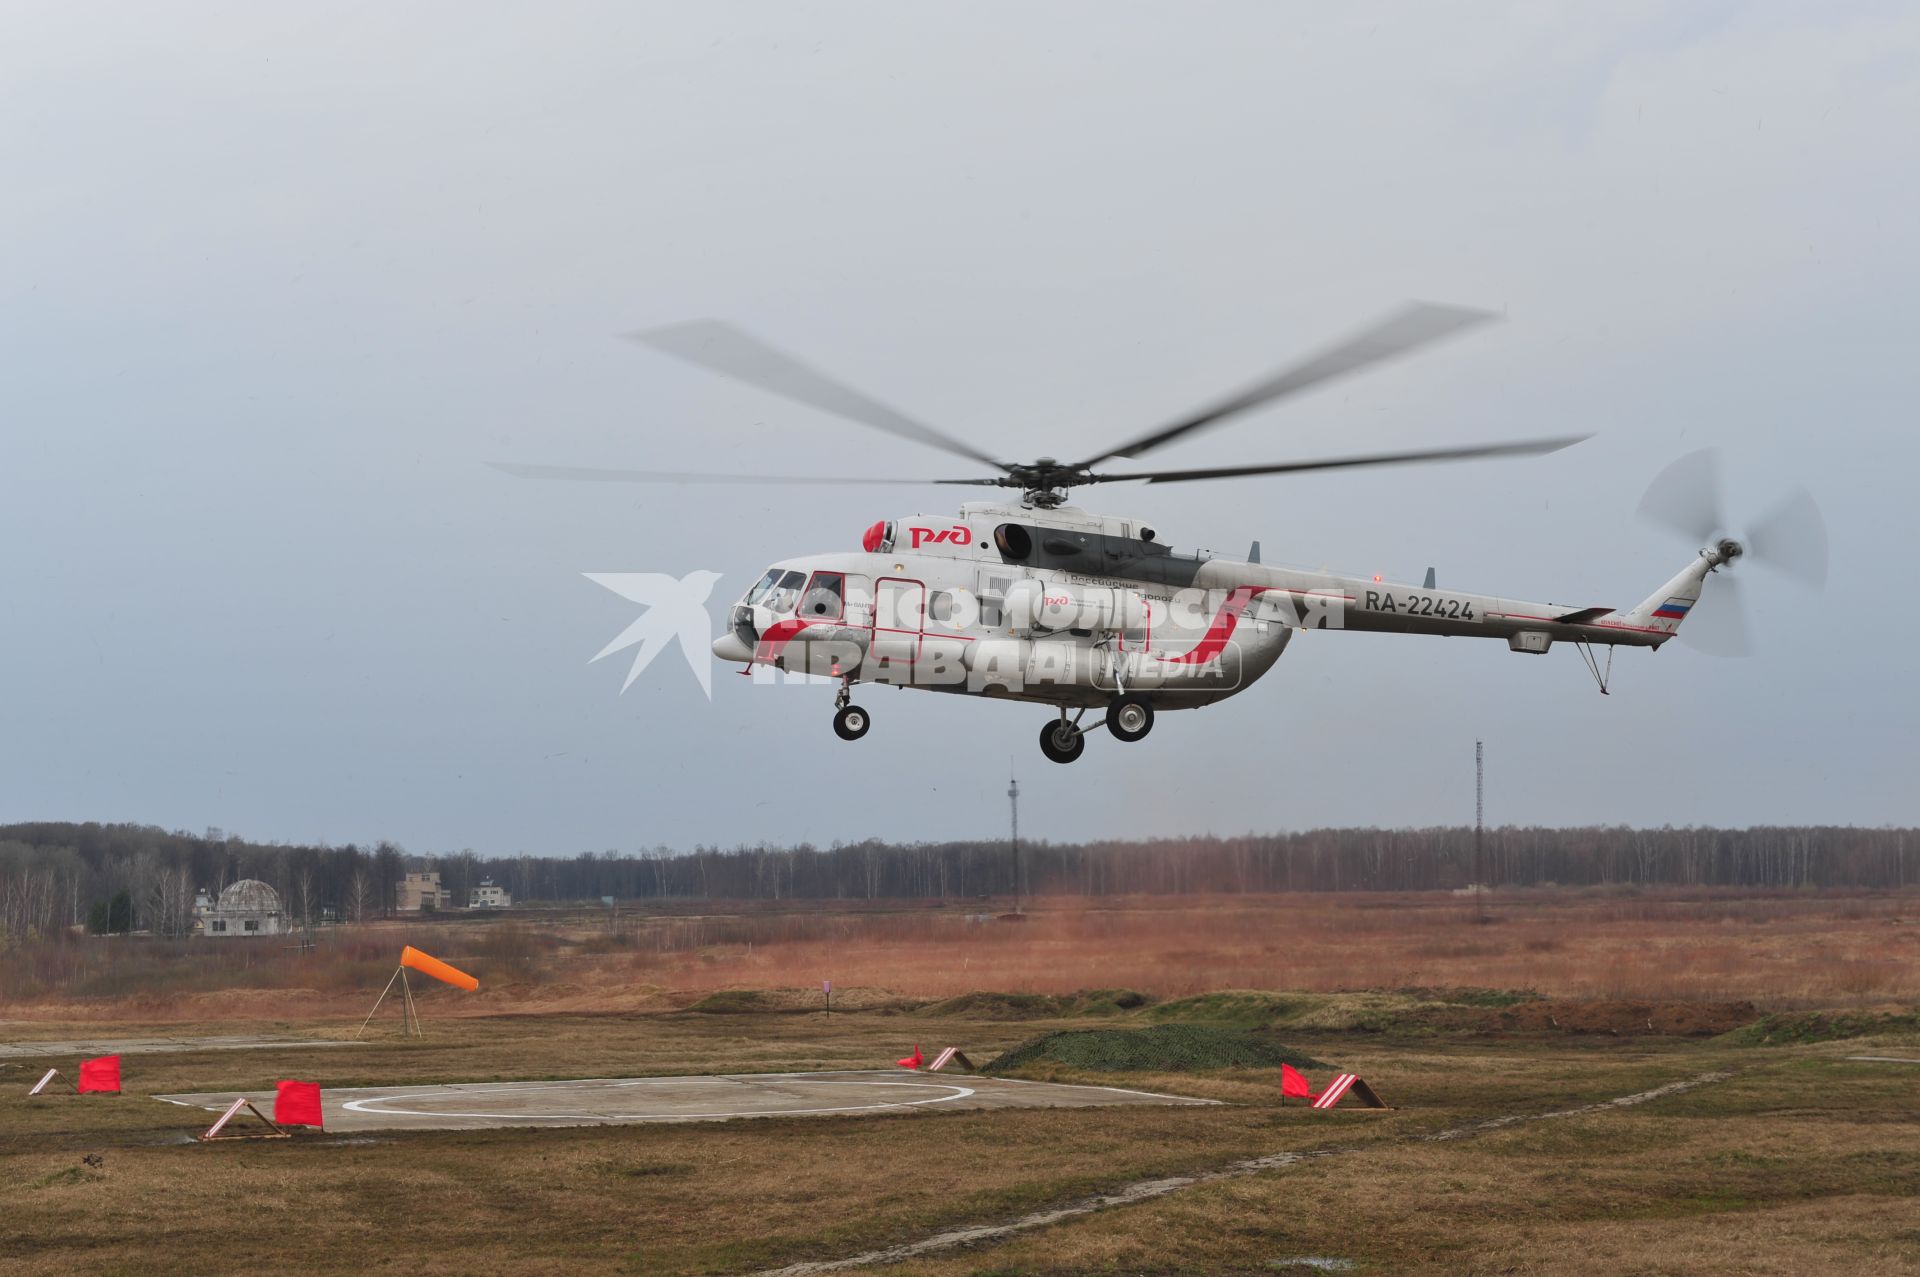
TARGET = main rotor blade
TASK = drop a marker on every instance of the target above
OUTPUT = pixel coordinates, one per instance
(724, 349)
(601, 474)
(1685, 497)
(1792, 537)
(1529, 447)
(1717, 625)
(1408, 329)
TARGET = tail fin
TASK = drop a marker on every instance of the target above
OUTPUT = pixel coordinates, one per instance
(1664, 609)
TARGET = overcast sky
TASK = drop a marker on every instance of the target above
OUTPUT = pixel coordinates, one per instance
(277, 280)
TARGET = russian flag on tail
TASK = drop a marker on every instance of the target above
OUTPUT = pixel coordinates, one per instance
(1674, 610)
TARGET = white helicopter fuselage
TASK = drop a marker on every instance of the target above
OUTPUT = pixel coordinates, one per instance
(1073, 609)
(1039, 601)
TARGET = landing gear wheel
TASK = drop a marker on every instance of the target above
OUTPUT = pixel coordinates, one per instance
(1129, 718)
(850, 722)
(1062, 742)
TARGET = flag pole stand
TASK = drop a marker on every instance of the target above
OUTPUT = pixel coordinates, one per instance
(274, 1130)
(68, 1088)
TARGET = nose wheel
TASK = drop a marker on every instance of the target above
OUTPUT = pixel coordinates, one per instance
(850, 722)
(1061, 741)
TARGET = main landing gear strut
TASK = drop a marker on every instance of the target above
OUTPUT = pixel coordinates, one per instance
(1128, 718)
(850, 722)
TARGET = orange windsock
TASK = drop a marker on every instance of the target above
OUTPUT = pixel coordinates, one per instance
(427, 964)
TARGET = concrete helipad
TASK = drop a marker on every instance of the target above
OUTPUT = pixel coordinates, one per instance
(601, 1101)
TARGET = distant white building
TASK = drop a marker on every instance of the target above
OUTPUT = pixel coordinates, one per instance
(488, 896)
(247, 908)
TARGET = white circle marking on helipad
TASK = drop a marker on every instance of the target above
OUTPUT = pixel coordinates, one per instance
(363, 1106)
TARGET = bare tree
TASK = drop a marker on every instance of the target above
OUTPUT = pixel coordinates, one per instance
(359, 892)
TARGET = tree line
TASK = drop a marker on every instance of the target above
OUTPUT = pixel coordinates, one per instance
(59, 876)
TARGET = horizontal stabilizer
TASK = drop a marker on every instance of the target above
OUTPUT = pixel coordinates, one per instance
(1584, 616)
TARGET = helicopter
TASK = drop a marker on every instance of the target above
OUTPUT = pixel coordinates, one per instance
(1031, 599)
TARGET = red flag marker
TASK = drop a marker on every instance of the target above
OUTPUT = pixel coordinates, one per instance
(297, 1104)
(101, 1074)
(913, 1061)
(1294, 1082)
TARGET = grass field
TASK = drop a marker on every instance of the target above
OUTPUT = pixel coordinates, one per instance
(1802, 1161)
(1796, 1160)
(1780, 950)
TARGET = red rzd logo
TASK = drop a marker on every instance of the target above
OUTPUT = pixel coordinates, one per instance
(962, 535)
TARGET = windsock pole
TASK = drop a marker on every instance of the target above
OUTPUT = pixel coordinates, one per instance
(412, 1015)
(377, 1001)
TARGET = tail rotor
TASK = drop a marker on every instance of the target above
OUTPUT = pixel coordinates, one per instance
(1789, 538)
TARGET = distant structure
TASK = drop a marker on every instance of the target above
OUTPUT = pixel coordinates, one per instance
(247, 908)
(1479, 804)
(422, 891)
(1479, 829)
(488, 896)
(1013, 798)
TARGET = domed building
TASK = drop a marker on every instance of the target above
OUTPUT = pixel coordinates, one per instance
(248, 907)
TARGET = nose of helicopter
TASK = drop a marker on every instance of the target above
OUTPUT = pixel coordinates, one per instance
(729, 647)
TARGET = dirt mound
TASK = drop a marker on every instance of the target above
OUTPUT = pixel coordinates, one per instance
(1624, 1019)
(1039, 1006)
(1165, 1048)
(1232, 1006)
(799, 1001)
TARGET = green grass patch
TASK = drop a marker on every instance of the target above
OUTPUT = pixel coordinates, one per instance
(1164, 1048)
(1794, 1028)
(1249, 1008)
(1369, 1011)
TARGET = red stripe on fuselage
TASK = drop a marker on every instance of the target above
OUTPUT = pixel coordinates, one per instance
(775, 640)
(1221, 629)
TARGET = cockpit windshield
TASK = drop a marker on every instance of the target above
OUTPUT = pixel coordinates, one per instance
(767, 582)
(782, 591)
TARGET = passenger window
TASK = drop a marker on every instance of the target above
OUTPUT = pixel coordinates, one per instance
(822, 600)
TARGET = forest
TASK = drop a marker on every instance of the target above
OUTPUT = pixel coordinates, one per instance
(56, 877)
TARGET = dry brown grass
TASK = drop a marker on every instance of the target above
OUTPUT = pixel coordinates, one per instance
(1729, 1181)
(1780, 950)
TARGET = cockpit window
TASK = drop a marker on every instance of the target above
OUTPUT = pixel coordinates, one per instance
(784, 593)
(767, 582)
(821, 602)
